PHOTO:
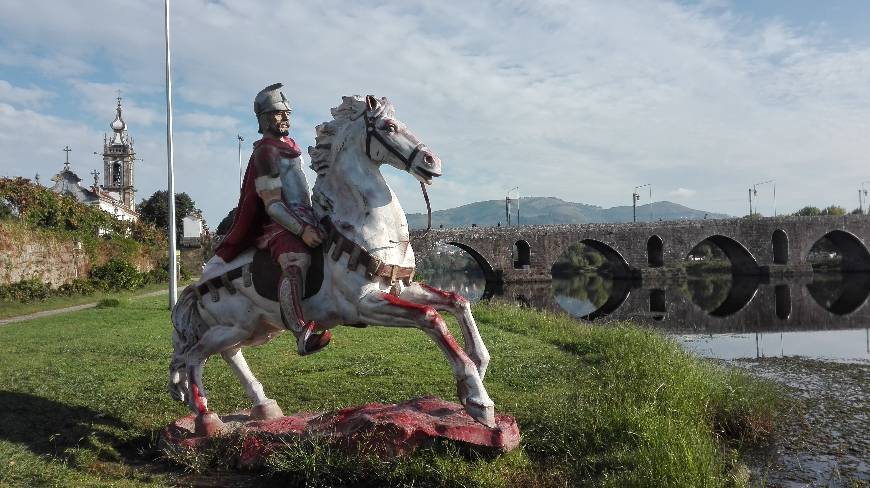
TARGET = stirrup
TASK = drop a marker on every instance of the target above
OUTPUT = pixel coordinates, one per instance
(307, 342)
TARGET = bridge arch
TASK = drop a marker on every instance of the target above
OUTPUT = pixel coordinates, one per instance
(612, 255)
(481, 261)
(742, 261)
(780, 247)
(655, 252)
(854, 254)
(523, 253)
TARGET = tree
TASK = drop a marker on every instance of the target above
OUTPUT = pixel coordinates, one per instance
(857, 211)
(226, 223)
(155, 210)
(834, 210)
(808, 211)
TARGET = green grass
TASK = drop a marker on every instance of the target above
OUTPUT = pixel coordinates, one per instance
(83, 396)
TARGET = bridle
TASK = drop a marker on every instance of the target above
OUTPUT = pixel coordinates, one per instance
(371, 132)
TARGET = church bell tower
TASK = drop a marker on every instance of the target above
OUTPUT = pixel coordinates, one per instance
(118, 157)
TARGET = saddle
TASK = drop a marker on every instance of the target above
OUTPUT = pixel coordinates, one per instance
(264, 273)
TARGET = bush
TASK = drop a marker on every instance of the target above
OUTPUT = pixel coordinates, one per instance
(78, 286)
(117, 275)
(108, 303)
(25, 291)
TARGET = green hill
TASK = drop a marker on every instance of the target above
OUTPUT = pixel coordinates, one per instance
(549, 210)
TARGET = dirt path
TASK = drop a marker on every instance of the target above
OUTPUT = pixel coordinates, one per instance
(58, 311)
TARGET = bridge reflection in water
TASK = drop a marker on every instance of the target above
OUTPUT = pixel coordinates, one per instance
(824, 315)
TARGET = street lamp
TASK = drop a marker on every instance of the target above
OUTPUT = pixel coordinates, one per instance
(862, 190)
(635, 196)
(754, 192)
(507, 201)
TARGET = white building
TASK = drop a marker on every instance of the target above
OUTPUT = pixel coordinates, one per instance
(117, 194)
(192, 227)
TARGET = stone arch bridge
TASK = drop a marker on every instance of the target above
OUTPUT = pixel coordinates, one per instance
(756, 246)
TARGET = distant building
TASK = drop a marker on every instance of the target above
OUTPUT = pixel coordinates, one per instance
(117, 194)
(192, 230)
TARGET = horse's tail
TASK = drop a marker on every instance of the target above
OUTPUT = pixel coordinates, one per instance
(188, 327)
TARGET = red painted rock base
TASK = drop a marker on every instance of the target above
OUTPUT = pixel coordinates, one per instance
(388, 430)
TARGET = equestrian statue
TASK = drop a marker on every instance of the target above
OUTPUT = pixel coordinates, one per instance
(309, 262)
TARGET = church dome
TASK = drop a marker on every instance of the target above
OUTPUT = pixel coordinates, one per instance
(118, 124)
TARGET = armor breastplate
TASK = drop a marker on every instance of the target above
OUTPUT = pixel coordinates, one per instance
(294, 184)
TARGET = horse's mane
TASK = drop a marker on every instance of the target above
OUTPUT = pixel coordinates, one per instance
(331, 136)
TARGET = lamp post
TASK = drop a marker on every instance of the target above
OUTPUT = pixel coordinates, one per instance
(862, 190)
(173, 264)
(754, 192)
(635, 196)
(241, 140)
(507, 204)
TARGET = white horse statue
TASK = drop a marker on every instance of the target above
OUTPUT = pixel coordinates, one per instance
(367, 276)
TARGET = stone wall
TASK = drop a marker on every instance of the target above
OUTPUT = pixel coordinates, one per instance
(27, 254)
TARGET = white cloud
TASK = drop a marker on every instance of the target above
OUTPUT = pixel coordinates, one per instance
(680, 193)
(579, 100)
(23, 97)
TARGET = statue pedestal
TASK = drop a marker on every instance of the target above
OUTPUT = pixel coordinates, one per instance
(386, 429)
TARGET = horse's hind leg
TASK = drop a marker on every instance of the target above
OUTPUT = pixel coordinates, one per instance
(215, 340)
(264, 408)
(448, 301)
(385, 309)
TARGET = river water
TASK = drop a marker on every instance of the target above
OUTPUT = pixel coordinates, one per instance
(824, 317)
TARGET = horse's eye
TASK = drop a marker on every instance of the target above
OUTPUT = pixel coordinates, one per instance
(390, 127)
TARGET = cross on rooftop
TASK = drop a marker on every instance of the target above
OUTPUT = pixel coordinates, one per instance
(66, 164)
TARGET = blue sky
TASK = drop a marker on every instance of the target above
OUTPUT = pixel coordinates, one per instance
(573, 99)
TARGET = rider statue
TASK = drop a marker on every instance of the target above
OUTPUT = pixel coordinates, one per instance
(275, 213)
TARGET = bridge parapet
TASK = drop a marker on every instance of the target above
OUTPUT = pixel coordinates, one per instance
(756, 246)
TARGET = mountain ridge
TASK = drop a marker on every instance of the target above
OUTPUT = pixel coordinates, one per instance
(552, 210)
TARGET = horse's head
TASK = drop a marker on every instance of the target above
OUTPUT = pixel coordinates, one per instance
(388, 140)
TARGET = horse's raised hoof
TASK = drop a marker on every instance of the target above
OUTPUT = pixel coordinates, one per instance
(208, 424)
(485, 414)
(267, 410)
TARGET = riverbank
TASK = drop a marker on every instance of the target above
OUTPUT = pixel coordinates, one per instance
(824, 440)
(84, 395)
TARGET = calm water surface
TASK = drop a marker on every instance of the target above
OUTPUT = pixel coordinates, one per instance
(821, 317)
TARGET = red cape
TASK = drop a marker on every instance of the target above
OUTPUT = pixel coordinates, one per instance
(251, 217)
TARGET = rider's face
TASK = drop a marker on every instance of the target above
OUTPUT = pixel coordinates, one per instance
(279, 122)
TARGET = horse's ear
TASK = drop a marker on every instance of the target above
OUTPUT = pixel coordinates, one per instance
(372, 103)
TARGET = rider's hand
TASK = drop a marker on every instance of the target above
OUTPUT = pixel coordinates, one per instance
(311, 237)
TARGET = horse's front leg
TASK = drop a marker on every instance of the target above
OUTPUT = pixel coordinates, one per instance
(379, 308)
(448, 301)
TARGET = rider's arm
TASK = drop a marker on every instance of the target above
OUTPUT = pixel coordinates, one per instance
(268, 186)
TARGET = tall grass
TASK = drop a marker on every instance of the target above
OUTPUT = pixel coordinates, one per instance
(83, 396)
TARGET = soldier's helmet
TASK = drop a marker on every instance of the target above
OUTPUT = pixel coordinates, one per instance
(270, 99)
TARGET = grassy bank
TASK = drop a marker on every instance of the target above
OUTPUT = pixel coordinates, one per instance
(84, 395)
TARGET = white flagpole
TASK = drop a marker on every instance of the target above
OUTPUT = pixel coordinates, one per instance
(173, 265)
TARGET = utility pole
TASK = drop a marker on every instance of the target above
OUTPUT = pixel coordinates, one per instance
(750, 202)
(634, 198)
